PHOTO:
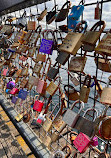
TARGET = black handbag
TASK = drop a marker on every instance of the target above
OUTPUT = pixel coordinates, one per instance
(51, 15)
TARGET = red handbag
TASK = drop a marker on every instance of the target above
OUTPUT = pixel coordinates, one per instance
(38, 104)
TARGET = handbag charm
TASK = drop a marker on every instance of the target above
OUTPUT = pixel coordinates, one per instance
(85, 89)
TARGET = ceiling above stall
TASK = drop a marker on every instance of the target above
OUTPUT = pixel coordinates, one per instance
(9, 6)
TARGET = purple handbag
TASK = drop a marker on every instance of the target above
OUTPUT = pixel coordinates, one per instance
(14, 99)
(22, 94)
(11, 85)
(46, 46)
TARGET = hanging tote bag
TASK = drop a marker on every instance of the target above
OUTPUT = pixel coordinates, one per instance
(63, 12)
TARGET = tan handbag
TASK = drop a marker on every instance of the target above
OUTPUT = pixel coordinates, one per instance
(103, 64)
(32, 25)
(71, 43)
(106, 95)
(77, 64)
(104, 46)
(41, 16)
(90, 38)
(85, 89)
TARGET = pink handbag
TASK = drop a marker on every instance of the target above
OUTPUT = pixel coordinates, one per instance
(42, 84)
(81, 142)
(38, 104)
(14, 91)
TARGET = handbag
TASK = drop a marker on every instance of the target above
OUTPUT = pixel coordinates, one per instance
(77, 64)
(22, 94)
(41, 16)
(38, 104)
(72, 94)
(90, 38)
(63, 12)
(51, 15)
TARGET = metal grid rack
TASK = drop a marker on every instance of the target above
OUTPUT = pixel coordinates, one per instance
(92, 99)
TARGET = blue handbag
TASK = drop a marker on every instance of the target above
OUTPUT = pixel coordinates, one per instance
(22, 94)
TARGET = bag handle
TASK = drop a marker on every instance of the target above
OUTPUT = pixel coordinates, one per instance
(70, 150)
(96, 25)
(68, 4)
(91, 109)
(86, 78)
